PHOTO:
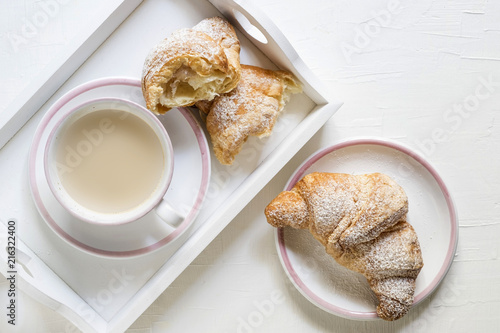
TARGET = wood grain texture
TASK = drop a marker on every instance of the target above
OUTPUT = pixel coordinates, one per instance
(427, 75)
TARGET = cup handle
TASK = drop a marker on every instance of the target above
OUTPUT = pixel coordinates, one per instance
(169, 214)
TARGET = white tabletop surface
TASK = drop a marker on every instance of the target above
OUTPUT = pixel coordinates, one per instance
(403, 80)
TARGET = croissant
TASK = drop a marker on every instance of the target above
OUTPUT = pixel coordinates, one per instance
(361, 221)
(250, 109)
(192, 65)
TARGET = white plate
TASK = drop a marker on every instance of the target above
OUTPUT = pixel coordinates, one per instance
(340, 291)
(186, 192)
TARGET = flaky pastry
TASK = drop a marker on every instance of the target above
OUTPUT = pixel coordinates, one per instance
(361, 221)
(250, 109)
(192, 65)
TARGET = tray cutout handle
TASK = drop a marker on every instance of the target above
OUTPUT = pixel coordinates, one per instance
(251, 29)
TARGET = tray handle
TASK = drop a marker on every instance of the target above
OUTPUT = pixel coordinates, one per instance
(268, 38)
(34, 278)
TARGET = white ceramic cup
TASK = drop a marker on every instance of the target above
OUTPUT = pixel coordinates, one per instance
(154, 202)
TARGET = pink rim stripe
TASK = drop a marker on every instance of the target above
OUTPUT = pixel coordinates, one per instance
(33, 178)
(300, 172)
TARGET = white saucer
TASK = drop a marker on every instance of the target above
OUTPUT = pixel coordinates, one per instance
(186, 192)
(432, 213)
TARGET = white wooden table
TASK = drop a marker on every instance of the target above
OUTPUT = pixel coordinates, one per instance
(424, 73)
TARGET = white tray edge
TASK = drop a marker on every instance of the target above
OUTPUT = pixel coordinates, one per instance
(53, 76)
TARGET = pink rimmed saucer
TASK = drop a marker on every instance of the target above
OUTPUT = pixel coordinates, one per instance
(432, 213)
(186, 192)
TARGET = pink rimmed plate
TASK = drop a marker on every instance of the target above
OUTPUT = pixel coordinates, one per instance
(186, 192)
(432, 213)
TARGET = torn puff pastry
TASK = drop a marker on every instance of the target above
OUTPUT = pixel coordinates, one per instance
(250, 109)
(192, 65)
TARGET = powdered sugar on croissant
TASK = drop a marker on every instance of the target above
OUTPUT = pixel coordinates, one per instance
(361, 222)
(192, 65)
(250, 109)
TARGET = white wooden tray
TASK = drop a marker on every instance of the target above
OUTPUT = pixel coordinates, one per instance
(106, 294)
